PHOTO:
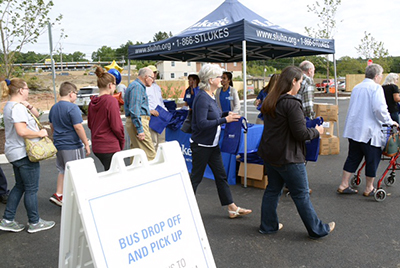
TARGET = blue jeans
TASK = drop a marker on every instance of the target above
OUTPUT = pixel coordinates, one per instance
(27, 176)
(295, 178)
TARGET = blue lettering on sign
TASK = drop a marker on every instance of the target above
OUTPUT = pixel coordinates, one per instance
(138, 254)
(153, 230)
(160, 244)
(129, 240)
(176, 236)
(157, 244)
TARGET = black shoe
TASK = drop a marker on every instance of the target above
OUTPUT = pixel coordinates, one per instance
(4, 198)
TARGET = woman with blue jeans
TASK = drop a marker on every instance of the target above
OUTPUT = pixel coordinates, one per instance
(282, 147)
(19, 125)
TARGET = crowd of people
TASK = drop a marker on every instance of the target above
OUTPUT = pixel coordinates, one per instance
(284, 104)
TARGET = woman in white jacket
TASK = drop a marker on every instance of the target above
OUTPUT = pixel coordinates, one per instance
(227, 96)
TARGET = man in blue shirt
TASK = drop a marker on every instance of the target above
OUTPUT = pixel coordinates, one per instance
(68, 133)
(137, 112)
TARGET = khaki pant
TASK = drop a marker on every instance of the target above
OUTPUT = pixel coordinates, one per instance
(147, 144)
(157, 138)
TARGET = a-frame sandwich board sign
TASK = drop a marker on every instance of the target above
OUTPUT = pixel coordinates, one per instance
(141, 215)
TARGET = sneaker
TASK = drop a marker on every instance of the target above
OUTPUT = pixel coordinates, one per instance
(57, 200)
(11, 226)
(40, 226)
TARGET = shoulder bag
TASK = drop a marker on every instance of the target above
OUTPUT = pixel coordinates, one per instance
(39, 150)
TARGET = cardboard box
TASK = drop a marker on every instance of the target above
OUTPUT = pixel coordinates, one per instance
(328, 128)
(255, 175)
(254, 171)
(256, 183)
(328, 112)
(329, 145)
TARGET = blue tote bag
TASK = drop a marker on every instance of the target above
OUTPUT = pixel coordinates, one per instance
(160, 122)
(232, 135)
(312, 146)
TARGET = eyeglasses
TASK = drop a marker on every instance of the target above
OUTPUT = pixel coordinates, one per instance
(219, 76)
(26, 88)
(75, 92)
(152, 77)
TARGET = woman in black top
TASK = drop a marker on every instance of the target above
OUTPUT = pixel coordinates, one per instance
(282, 147)
(392, 95)
(206, 129)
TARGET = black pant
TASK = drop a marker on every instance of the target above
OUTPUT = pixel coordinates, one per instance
(105, 159)
(201, 156)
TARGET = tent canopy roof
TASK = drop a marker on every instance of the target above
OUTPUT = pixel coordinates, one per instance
(218, 37)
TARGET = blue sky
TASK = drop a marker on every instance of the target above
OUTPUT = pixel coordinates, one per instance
(91, 24)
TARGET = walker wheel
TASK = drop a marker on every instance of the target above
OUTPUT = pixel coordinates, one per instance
(389, 181)
(380, 195)
(354, 182)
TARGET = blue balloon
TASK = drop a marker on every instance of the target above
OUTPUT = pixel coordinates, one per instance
(116, 74)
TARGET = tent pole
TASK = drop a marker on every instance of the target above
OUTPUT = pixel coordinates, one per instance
(245, 108)
(129, 71)
(336, 92)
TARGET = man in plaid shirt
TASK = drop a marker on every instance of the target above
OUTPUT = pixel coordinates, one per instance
(306, 92)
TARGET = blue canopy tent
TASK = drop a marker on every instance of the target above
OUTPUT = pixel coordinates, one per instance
(233, 33)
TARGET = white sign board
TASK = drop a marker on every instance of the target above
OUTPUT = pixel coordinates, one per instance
(141, 215)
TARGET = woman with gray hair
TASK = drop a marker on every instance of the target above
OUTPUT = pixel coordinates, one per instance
(366, 113)
(392, 95)
(206, 128)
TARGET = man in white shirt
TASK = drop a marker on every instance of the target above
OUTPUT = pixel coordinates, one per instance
(155, 98)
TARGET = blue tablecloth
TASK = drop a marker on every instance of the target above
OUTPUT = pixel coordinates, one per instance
(253, 140)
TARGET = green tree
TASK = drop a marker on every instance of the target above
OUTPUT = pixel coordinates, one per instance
(104, 53)
(348, 65)
(122, 51)
(21, 23)
(370, 48)
(395, 64)
(161, 36)
(78, 56)
(326, 12)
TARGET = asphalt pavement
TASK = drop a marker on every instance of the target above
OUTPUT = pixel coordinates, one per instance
(366, 233)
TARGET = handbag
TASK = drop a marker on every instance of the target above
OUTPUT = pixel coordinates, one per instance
(39, 150)
(392, 145)
(187, 124)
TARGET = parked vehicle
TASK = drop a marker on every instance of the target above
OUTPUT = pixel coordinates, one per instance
(322, 86)
(84, 96)
(342, 85)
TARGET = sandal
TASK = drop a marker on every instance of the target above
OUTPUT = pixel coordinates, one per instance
(239, 212)
(372, 193)
(347, 190)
